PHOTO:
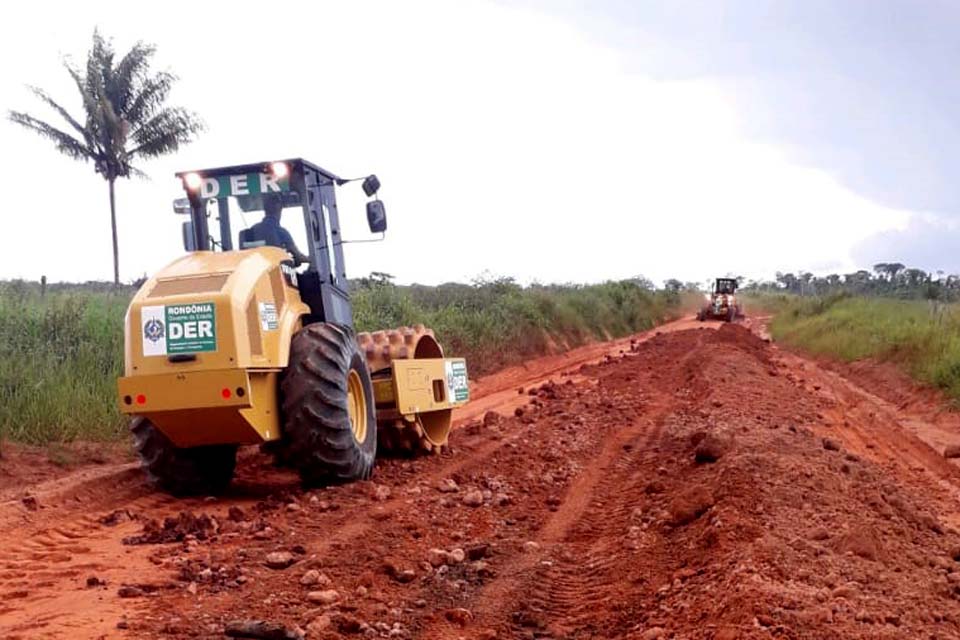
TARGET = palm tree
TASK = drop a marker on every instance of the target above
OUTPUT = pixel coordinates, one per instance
(124, 120)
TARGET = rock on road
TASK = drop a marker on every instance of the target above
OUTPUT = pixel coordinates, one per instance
(686, 483)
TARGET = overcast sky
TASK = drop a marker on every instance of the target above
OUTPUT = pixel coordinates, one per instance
(549, 141)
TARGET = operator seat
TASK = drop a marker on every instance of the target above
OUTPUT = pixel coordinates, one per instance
(248, 239)
(251, 239)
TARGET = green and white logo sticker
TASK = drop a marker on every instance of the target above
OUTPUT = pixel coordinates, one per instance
(244, 184)
(179, 328)
(457, 384)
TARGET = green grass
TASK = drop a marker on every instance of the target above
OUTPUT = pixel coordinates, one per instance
(498, 323)
(59, 359)
(61, 353)
(921, 337)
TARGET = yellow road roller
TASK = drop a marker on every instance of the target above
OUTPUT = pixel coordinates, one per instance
(254, 343)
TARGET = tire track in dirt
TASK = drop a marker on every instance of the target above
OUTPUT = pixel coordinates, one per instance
(877, 430)
(44, 567)
(580, 548)
(587, 515)
(573, 587)
(46, 555)
(357, 533)
(49, 565)
(633, 535)
(564, 592)
(383, 530)
(870, 425)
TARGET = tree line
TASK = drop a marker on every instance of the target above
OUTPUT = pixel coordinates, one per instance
(890, 279)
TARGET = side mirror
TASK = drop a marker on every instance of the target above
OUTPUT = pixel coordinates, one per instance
(188, 240)
(371, 184)
(181, 206)
(376, 216)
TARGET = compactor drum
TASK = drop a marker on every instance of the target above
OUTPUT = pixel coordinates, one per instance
(406, 432)
(234, 346)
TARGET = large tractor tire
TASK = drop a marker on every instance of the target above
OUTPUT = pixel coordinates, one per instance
(330, 422)
(203, 470)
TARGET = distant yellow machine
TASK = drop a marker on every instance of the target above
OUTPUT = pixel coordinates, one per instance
(227, 347)
(723, 303)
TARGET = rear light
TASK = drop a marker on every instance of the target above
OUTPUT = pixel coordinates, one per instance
(226, 393)
(141, 399)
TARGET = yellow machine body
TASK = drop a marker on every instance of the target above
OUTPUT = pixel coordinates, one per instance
(218, 386)
(208, 336)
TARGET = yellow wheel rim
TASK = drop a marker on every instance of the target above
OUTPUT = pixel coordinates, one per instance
(357, 406)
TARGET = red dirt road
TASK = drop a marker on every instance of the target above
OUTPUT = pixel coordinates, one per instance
(691, 484)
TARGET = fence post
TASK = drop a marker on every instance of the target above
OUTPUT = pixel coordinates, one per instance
(43, 286)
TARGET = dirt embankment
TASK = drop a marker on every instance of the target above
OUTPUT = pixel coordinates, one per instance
(696, 484)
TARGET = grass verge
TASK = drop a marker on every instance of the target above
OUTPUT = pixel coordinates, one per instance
(61, 353)
(921, 337)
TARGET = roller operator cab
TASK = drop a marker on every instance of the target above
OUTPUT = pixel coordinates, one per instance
(723, 303)
(252, 342)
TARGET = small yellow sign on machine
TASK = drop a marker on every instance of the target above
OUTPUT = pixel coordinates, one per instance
(429, 384)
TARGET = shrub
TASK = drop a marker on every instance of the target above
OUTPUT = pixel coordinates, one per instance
(60, 354)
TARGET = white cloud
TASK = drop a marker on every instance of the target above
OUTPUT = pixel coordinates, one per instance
(928, 242)
(506, 141)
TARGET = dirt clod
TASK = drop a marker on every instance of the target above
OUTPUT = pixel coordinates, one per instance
(279, 559)
(473, 498)
(328, 596)
(115, 517)
(130, 591)
(437, 557)
(861, 542)
(175, 529)
(458, 616)
(690, 505)
(711, 448)
(398, 572)
(314, 577)
(830, 444)
(319, 625)
(261, 630)
(654, 487)
(448, 485)
(478, 551)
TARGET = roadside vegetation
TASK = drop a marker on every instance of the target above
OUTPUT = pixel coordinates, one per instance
(494, 323)
(61, 352)
(922, 337)
(60, 356)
